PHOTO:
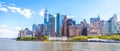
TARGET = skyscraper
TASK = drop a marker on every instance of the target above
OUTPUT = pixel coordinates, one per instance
(93, 20)
(22, 33)
(70, 24)
(96, 26)
(64, 26)
(34, 29)
(27, 31)
(111, 25)
(72, 31)
(61, 23)
(84, 26)
(38, 28)
(78, 30)
(45, 20)
(51, 25)
(58, 25)
(41, 28)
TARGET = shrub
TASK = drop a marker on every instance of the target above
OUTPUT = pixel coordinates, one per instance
(115, 37)
(45, 37)
(79, 38)
(18, 38)
(92, 36)
(104, 37)
(26, 38)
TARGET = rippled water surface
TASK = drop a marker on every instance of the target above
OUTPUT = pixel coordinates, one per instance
(12, 45)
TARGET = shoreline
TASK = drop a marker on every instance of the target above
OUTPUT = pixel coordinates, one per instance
(103, 39)
(72, 41)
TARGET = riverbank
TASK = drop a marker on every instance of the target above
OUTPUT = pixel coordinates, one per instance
(106, 39)
(103, 38)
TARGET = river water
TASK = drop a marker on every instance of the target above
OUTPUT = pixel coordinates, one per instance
(13, 45)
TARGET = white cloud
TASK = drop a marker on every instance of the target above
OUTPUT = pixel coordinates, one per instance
(12, 7)
(70, 16)
(15, 9)
(54, 15)
(17, 28)
(26, 12)
(3, 9)
(41, 13)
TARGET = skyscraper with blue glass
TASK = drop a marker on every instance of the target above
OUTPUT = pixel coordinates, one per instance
(111, 26)
(45, 20)
(34, 29)
(51, 25)
(58, 25)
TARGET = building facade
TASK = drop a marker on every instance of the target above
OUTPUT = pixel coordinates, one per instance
(22, 33)
(64, 26)
(58, 25)
(96, 26)
(51, 25)
(111, 26)
(34, 29)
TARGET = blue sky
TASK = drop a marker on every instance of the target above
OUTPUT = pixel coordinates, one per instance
(19, 14)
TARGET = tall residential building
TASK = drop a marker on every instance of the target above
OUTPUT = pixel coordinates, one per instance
(51, 25)
(118, 27)
(84, 28)
(70, 24)
(77, 29)
(61, 23)
(41, 28)
(62, 19)
(93, 20)
(96, 26)
(28, 32)
(38, 28)
(102, 24)
(64, 26)
(58, 25)
(38, 32)
(72, 31)
(34, 29)
(111, 26)
(22, 33)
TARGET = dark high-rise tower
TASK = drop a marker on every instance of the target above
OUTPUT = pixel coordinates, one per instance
(58, 25)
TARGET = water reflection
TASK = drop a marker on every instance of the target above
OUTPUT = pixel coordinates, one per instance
(48, 46)
(58, 46)
(66, 46)
(8, 45)
(80, 46)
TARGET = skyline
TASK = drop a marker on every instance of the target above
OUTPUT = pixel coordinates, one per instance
(15, 15)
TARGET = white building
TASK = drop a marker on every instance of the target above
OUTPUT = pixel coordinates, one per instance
(63, 38)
